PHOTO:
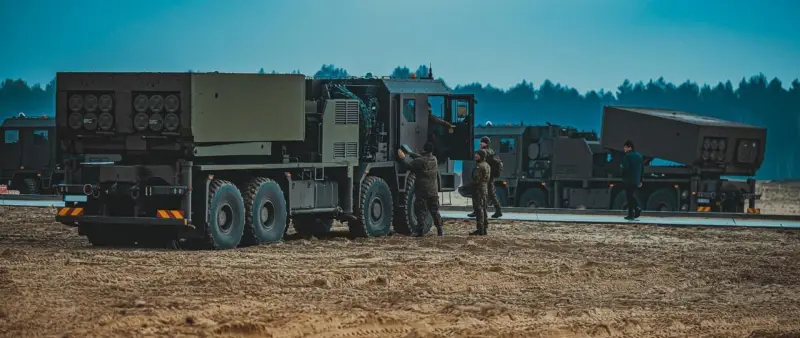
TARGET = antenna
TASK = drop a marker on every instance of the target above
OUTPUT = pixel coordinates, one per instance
(430, 71)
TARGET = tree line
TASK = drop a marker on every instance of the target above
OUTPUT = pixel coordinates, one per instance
(756, 100)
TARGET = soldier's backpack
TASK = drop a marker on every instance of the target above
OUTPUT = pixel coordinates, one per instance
(496, 164)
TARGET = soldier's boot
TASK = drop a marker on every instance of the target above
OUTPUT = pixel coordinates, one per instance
(637, 212)
(497, 212)
(470, 215)
(439, 231)
(476, 232)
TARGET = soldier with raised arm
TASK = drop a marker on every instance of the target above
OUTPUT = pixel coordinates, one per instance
(426, 186)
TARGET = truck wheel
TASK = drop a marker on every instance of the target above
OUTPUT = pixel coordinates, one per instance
(533, 198)
(375, 209)
(225, 216)
(405, 221)
(30, 186)
(664, 199)
(307, 226)
(265, 212)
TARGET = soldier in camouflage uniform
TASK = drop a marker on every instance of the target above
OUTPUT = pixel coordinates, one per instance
(426, 186)
(480, 176)
(497, 167)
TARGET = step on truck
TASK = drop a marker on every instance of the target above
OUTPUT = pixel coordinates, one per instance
(224, 160)
(553, 166)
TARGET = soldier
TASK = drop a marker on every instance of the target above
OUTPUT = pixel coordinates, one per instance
(496, 166)
(632, 173)
(480, 175)
(436, 127)
(426, 187)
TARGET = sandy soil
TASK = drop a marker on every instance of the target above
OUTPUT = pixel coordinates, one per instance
(524, 280)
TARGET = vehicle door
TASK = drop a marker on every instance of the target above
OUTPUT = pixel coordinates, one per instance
(460, 113)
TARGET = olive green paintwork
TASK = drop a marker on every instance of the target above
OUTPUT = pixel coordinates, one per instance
(340, 125)
(247, 107)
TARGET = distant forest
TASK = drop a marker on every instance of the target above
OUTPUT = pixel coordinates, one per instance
(757, 100)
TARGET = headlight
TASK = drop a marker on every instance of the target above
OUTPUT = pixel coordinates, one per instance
(140, 103)
(706, 144)
(75, 121)
(705, 155)
(685, 194)
(90, 102)
(171, 122)
(75, 103)
(156, 122)
(90, 121)
(156, 103)
(172, 103)
(105, 121)
(712, 156)
(106, 103)
(721, 155)
(714, 144)
(721, 144)
(140, 121)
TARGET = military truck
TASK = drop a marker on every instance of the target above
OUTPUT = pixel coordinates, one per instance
(552, 166)
(29, 159)
(226, 160)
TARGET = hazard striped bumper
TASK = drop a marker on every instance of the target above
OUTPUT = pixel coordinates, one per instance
(165, 218)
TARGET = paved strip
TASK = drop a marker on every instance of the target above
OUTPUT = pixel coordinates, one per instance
(606, 219)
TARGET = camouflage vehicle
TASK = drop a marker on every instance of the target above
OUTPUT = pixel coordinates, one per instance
(560, 167)
(29, 160)
(230, 159)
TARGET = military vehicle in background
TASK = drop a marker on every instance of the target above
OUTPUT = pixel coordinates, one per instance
(29, 158)
(229, 159)
(552, 166)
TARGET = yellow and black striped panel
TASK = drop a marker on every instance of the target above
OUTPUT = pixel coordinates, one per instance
(703, 209)
(753, 210)
(70, 211)
(173, 214)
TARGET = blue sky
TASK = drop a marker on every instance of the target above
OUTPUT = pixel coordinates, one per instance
(587, 44)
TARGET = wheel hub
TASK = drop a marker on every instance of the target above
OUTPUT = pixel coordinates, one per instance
(225, 218)
(267, 214)
(376, 209)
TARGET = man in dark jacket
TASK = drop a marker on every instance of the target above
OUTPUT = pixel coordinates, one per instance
(632, 172)
(496, 166)
(426, 186)
(480, 175)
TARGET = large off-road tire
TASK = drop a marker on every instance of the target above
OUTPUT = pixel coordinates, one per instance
(265, 212)
(30, 186)
(405, 221)
(226, 214)
(101, 235)
(664, 199)
(307, 226)
(375, 209)
(533, 198)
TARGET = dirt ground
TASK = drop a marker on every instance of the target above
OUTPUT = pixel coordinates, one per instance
(523, 280)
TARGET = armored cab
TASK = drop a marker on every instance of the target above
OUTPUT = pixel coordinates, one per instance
(710, 144)
(28, 154)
